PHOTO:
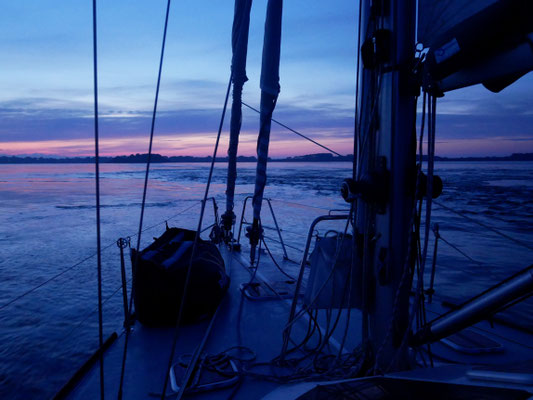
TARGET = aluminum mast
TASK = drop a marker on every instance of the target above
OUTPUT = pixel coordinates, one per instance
(387, 165)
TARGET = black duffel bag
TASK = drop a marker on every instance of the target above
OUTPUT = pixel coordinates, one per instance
(159, 274)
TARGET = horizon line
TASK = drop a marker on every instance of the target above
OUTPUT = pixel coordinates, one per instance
(324, 156)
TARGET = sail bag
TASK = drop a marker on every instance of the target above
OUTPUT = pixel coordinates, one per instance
(159, 273)
(335, 280)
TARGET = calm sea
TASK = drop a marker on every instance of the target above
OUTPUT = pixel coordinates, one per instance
(47, 227)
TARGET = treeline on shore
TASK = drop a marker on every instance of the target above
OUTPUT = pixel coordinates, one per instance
(158, 158)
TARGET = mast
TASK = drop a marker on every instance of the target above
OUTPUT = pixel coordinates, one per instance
(387, 172)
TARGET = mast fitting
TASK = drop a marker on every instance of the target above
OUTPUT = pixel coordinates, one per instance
(376, 49)
(372, 188)
(436, 186)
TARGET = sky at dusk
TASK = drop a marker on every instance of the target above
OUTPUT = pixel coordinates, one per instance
(46, 98)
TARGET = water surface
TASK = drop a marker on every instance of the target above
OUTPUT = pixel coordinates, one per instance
(47, 226)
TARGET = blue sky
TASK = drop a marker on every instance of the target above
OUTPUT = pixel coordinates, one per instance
(46, 81)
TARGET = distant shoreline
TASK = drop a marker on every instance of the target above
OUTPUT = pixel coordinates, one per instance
(157, 158)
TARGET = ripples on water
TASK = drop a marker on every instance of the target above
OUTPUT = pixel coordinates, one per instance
(47, 218)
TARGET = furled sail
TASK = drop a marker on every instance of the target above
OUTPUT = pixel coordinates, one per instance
(269, 94)
(480, 41)
(239, 42)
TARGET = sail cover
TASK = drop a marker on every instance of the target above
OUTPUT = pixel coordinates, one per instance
(239, 42)
(269, 93)
(438, 16)
(479, 41)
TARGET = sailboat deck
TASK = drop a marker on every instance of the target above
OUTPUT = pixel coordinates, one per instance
(256, 324)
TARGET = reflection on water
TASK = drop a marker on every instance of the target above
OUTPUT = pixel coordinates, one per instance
(47, 220)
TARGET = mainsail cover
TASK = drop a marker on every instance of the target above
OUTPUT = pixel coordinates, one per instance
(438, 16)
(239, 43)
(479, 41)
(269, 94)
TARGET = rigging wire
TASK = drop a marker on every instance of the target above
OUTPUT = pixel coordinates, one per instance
(415, 307)
(286, 244)
(293, 131)
(15, 299)
(355, 174)
(305, 308)
(123, 367)
(432, 114)
(312, 327)
(356, 105)
(256, 268)
(498, 232)
(353, 265)
(195, 243)
(459, 250)
(415, 217)
(422, 310)
(320, 364)
(89, 314)
(81, 262)
(168, 218)
(329, 332)
(397, 295)
(422, 124)
(372, 115)
(366, 129)
(275, 262)
(77, 264)
(97, 181)
(299, 204)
